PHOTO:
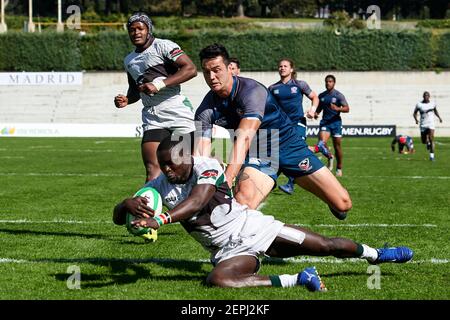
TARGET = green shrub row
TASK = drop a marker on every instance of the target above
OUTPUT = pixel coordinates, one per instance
(258, 50)
(438, 24)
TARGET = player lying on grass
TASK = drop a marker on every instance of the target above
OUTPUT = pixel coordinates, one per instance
(403, 141)
(197, 194)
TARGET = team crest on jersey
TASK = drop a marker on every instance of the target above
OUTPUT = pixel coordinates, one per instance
(305, 165)
(294, 90)
(333, 100)
(176, 53)
(209, 174)
(276, 91)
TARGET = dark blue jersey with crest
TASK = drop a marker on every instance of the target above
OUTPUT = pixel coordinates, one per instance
(326, 98)
(289, 96)
(248, 99)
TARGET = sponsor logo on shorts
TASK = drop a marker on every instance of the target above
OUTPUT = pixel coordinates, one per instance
(305, 165)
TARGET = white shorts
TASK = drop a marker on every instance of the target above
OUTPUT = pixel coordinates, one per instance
(256, 236)
(174, 114)
(423, 129)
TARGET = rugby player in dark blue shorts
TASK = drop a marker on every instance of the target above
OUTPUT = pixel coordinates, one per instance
(332, 102)
(246, 106)
(288, 93)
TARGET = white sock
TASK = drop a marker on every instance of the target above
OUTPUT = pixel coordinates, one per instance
(431, 155)
(288, 280)
(369, 253)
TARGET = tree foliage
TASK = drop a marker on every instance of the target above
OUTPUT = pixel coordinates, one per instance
(434, 9)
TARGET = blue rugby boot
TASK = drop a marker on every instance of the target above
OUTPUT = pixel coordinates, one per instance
(288, 187)
(394, 254)
(311, 279)
(322, 147)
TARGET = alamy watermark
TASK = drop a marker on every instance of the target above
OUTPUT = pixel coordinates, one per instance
(74, 280)
(373, 17)
(374, 280)
(73, 22)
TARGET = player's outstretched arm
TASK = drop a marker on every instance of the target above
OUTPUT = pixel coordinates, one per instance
(244, 135)
(199, 197)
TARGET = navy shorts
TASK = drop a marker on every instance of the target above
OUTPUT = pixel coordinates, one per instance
(295, 160)
(334, 128)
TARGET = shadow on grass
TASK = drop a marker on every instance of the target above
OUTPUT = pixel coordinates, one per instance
(76, 234)
(126, 271)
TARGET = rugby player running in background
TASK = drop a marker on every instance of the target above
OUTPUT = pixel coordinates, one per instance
(427, 110)
(155, 70)
(235, 66)
(332, 103)
(289, 94)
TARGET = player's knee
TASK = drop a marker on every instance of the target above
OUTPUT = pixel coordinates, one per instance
(216, 279)
(245, 198)
(344, 204)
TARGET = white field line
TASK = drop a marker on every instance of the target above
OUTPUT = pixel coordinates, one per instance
(360, 225)
(403, 177)
(63, 174)
(12, 157)
(26, 221)
(159, 260)
(48, 149)
(60, 174)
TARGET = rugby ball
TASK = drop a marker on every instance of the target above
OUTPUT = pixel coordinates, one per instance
(154, 201)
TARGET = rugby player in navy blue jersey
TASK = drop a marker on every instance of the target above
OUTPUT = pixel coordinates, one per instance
(246, 106)
(332, 103)
(289, 94)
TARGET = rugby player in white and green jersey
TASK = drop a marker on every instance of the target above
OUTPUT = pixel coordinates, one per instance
(155, 70)
(195, 191)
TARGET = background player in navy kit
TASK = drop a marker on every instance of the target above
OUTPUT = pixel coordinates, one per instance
(289, 94)
(427, 110)
(403, 141)
(197, 195)
(246, 106)
(332, 103)
(235, 66)
(155, 71)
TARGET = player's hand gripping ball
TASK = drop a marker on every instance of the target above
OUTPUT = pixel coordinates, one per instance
(154, 201)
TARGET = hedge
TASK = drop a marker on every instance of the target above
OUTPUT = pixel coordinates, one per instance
(258, 50)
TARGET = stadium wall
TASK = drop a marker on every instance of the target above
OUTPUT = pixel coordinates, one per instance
(375, 98)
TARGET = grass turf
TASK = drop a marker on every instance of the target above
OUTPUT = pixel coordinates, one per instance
(57, 195)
